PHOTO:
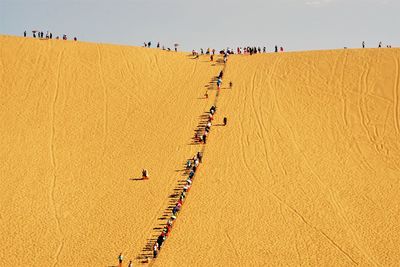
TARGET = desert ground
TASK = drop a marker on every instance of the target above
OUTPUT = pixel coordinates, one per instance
(306, 172)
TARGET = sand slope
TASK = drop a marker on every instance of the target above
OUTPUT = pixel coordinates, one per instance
(78, 121)
(306, 171)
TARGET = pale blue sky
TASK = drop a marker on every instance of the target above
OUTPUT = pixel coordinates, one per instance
(294, 24)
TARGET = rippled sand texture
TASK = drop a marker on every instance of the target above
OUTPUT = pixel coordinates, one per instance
(306, 172)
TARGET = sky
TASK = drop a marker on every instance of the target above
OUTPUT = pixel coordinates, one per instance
(294, 24)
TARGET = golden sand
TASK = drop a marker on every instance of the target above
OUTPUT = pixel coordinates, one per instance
(305, 173)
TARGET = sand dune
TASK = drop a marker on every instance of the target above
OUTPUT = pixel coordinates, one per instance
(306, 171)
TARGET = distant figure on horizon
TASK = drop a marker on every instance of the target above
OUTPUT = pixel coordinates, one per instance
(380, 45)
(120, 258)
(149, 44)
(276, 49)
(225, 121)
(281, 49)
(363, 44)
(158, 45)
(24, 33)
(75, 39)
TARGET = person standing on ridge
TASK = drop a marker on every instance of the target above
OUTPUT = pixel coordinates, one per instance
(363, 44)
(24, 33)
(276, 49)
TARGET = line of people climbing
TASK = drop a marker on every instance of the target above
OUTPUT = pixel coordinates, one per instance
(192, 166)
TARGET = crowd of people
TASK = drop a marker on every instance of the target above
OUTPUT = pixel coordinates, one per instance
(248, 50)
(148, 45)
(379, 45)
(49, 35)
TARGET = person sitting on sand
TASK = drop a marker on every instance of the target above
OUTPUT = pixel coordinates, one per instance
(145, 174)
